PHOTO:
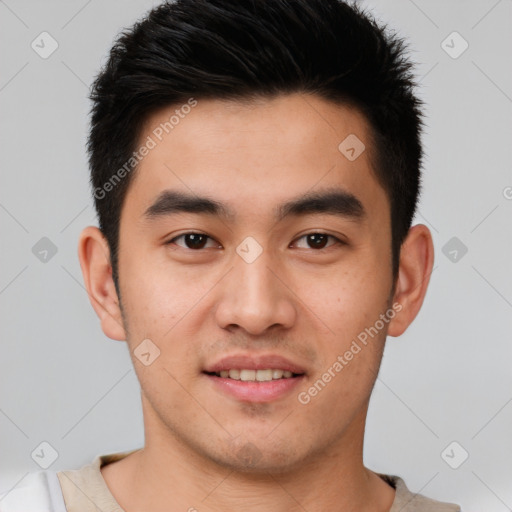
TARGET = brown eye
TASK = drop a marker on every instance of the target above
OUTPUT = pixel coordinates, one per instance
(194, 241)
(318, 240)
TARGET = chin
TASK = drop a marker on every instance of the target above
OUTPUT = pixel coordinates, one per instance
(258, 457)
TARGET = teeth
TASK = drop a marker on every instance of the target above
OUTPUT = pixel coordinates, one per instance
(277, 374)
(234, 374)
(247, 374)
(255, 375)
(263, 375)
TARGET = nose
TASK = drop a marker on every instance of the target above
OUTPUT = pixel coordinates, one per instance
(255, 296)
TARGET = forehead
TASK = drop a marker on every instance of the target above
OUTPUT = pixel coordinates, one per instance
(253, 155)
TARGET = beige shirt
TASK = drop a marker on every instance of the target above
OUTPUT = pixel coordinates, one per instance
(85, 490)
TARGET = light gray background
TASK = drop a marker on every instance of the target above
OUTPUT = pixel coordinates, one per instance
(447, 379)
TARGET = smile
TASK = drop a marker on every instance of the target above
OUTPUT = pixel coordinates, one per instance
(255, 375)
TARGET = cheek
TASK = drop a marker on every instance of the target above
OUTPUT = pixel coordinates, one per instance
(161, 302)
(152, 297)
(350, 299)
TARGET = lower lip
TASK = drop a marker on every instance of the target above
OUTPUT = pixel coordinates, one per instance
(250, 391)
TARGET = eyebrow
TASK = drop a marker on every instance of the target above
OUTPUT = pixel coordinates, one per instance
(329, 201)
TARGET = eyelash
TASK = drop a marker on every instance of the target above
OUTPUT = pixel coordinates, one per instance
(336, 239)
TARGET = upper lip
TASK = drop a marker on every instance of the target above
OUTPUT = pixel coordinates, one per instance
(254, 362)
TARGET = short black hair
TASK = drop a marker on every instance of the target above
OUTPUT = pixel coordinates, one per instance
(244, 49)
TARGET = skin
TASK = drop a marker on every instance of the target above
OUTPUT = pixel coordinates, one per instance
(294, 300)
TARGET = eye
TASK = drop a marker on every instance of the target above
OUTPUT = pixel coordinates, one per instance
(318, 240)
(198, 241)
(193, 241)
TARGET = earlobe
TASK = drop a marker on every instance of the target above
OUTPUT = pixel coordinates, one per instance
(94, 255)
(416, 262)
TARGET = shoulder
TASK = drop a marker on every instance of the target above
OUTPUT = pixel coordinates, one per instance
(407, 501)
(37, 492)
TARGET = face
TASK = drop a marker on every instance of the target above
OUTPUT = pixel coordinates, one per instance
(286, 267)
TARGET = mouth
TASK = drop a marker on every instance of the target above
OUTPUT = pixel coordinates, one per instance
(251, 378)
(247, 375)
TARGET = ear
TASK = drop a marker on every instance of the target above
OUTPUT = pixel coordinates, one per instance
(94, 255)
(416, 261)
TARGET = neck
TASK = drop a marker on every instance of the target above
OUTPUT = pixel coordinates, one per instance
(167, 471)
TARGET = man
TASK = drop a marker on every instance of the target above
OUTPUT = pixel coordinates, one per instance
(256, 168)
